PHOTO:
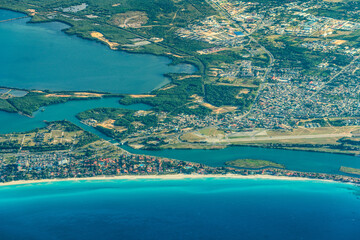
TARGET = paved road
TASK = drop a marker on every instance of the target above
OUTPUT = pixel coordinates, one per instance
(257, 139)
(326, 83)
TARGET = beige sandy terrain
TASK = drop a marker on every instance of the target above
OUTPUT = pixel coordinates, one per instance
(188, 76)
(218, 110)
(77, 95)
(165, 177)
(339, 42)
(91, 16)
(178, 56)
(141, 95)
(32, 12)
(335, 1)
(130, 19)
(197, 98)
(167, 87)
(100, 36)
(86, 94)
(109, 124)
(244, 91)
(57, 95)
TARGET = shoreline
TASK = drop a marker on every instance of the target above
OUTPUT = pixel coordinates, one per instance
(173, 60)
(171, 177)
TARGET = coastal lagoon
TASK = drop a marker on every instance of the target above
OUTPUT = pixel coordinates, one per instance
(303, 161)
(52, 59)
(292, 160)
(209, 208)
(41, 56)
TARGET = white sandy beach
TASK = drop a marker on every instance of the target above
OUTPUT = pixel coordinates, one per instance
(165, 177)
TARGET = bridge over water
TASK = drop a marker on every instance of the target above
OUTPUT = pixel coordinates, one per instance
(13, 19)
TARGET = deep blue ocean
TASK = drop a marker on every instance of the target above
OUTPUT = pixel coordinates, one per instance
(180, 209)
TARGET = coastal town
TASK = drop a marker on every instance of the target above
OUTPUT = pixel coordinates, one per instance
(63, 165)
(62, 150)
(279, 75)
(316, 88)
(180, 119)
(66, 165)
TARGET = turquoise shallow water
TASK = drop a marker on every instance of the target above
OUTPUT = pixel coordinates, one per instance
(4, 14)
(180, 209)
(41, 56)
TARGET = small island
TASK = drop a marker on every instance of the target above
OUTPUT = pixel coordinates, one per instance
(355, 171)
(253, 164)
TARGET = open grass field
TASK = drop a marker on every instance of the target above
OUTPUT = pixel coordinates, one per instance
(252, 163)
(325, 139)
(192, 137)
(322, 135)
(34, 100)
(350, 170)
(58, 135)
(212, 132)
